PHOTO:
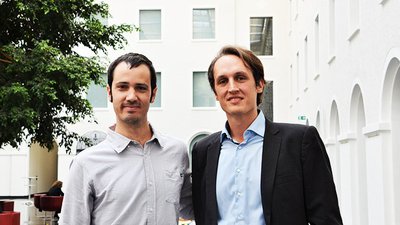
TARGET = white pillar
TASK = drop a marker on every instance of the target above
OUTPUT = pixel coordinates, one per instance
(375, 175)
(43, 164)
(345, 180)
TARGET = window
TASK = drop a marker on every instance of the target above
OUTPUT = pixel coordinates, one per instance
(150, 24)
(203, 96)
(261, 35)
(354, 17)
(97, 94)
(267, 104)
(297, 88)
(305, 69)
(157, 101)
(316, 49)
(332, 24)
(203, 23)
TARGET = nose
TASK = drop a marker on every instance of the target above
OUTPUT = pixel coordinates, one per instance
(232, 86)
(131, 96)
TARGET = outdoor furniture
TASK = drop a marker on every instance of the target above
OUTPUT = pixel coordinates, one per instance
(10, 218)
(50, 204)
(7, 205)
(36, 201)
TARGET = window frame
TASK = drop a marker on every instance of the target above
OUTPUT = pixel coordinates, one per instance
(140, 25)
(192, 94)
(215, 24)
(272, 35)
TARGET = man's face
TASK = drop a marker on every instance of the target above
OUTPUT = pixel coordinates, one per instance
(131, 91)
(235, 87)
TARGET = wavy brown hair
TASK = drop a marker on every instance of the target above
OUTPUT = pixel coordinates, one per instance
(250, 61)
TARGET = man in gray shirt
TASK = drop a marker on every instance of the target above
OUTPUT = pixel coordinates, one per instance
(137, 175)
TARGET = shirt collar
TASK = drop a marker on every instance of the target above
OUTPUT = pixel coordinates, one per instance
(257, 127)
(119, 142)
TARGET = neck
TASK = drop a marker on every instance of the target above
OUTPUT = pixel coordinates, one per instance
(239, 123)
(137, 132)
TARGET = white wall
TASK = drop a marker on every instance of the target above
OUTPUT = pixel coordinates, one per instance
(360, 59)
(177, 55)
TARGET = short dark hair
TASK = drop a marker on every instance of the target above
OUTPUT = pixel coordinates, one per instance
(133, 60)
(250, 61)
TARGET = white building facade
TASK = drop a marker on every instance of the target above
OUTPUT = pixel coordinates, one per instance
(334, 64)
(345, 80)
(181, 39)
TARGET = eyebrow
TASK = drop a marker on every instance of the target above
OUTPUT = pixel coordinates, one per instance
(235, 74)
(137, 84)
(142, 85)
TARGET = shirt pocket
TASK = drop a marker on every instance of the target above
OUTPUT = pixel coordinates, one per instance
(173, 183)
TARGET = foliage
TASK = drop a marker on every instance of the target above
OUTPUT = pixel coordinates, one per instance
(43, 81)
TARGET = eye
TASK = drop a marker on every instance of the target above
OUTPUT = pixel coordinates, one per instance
(241, 78)
(221, 81)
(122, 86)
(141, 88)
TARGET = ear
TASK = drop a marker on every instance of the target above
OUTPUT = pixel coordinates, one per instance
(109, 93)
(153, 97)
(260, 86)
(216, 97)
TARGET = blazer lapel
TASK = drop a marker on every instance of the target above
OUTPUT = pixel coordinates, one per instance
(271, 149)
(213, 152)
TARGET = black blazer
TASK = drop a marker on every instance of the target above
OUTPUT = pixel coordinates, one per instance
(297, 185)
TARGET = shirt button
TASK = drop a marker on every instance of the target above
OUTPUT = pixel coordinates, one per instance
(237, 170)
(240, 217)
(150, 210)
(239, 193)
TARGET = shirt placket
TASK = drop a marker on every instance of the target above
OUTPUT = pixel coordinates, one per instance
(150, 186)
(239, 181)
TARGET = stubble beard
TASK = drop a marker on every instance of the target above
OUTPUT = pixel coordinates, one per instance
(132, 121)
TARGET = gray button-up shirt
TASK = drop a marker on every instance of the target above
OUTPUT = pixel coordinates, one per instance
(120, 182)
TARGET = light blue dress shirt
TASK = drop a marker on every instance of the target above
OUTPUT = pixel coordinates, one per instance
(239, 177)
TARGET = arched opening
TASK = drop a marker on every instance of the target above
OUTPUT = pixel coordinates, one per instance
(89, 139)
(391, 114)
(318, 123)
(395, 121)
(333, 151)
(197, 137)
(358, 159)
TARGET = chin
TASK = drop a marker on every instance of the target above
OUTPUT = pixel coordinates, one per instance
(131, 120)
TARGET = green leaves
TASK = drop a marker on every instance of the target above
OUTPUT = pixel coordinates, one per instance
(65, 24)
(43, 81)
(44, 90)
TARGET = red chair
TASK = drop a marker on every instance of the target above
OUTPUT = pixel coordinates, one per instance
(51, 204)
(8, 206)
(36, 201)
(10, 218)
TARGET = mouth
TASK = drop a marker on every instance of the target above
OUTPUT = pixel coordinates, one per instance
(131, 106)
(234, 99)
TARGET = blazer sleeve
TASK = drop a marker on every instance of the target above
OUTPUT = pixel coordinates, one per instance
(320, 193)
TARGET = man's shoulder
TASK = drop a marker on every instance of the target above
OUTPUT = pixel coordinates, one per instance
(170, 141)
(289, 129)
(289, 126)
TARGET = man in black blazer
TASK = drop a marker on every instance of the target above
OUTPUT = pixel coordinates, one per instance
(255, 171)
